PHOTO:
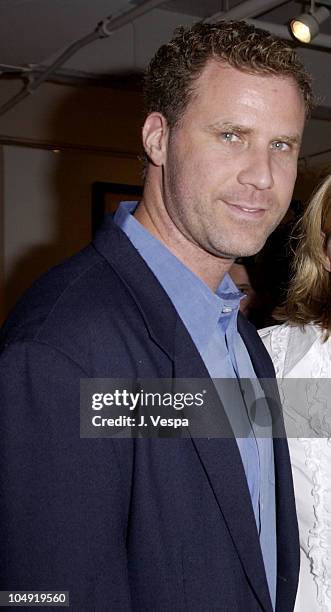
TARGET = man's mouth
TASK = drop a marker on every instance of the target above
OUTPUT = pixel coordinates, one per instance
(238, 207)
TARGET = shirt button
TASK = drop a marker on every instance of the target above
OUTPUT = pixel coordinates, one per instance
(226, 309)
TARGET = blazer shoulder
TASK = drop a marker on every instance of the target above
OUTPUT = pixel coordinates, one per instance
(53, 292)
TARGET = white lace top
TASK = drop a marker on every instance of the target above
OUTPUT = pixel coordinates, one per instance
(302, 354)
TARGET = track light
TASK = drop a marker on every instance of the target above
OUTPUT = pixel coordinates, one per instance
(306, 27)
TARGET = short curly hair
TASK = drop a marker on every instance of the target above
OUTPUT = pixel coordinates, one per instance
(170, 78)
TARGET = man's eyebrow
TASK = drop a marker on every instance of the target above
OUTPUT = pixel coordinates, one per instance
(226, 126)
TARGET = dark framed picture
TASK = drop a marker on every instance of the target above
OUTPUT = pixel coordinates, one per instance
(106, 198)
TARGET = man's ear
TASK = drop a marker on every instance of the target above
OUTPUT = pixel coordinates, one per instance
(155, 138)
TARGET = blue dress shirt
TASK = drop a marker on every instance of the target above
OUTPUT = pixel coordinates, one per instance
(211, 320)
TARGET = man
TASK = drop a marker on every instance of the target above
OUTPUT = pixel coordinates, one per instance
(162, 524)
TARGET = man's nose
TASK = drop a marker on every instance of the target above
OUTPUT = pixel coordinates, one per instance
(256, 169)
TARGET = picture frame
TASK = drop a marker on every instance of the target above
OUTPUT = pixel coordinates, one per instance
(106, 198)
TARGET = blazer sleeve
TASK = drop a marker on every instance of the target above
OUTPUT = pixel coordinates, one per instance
(64, 504)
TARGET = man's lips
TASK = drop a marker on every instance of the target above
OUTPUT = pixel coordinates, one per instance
(246, 209)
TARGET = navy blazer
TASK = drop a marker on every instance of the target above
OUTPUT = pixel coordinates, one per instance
(145, 525)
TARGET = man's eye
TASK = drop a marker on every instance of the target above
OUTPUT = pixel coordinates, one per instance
(230, 137)
(280, 145)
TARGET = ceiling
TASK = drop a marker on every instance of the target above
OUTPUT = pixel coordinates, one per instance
(35, 33)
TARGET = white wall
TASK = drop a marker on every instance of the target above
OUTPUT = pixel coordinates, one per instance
(80, 116)
(47, 208)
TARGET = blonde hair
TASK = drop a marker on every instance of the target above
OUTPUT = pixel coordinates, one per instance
(309, 293)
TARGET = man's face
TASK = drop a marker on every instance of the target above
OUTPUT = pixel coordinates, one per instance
(230, 164)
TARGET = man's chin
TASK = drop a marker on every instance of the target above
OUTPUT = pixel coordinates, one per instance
(248, 249)
(242, 251)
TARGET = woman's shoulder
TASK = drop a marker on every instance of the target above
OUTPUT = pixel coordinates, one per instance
(274, 330)
(276, 338)
(290, 332)
(290, 344)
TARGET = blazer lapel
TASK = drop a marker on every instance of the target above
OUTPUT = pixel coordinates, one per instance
(152, 301)
(222, 463)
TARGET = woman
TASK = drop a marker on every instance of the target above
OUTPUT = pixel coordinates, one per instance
(301, 349)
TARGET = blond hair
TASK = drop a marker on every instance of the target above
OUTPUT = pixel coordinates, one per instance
(309, 294)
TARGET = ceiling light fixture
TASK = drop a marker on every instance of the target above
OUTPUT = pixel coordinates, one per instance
(306, 27)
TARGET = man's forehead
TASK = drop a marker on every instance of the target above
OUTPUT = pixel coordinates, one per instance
(220, 83)
(220, 72)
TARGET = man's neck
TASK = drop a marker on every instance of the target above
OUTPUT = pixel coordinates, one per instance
(210, 268)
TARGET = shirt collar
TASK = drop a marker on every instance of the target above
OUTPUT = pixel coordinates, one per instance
(199, 308)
